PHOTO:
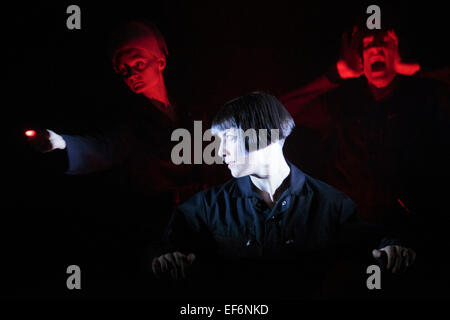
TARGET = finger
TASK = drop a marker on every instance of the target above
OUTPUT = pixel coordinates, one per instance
(408, 259)
(356, 40)
(376, 254)
(381, 258)
(191, 258)
(156, 267)
(398, 260)
(404, 254)
(388, 251)
(405, 260)
(163, 264)
(359, 68)
(172, 263)
(179, 259)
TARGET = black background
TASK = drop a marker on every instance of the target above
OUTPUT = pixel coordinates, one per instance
(62, 79)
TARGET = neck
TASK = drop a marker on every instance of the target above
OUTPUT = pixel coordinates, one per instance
(273, 175)
(382, 92)
(158, 96)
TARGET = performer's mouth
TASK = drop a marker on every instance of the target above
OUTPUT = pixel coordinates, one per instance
(378, 66)
(377, 63)
(138, 85)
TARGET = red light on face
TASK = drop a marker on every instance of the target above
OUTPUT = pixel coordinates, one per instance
(30, 133)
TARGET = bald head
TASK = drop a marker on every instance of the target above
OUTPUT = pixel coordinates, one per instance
(138, 35)
(138, 53)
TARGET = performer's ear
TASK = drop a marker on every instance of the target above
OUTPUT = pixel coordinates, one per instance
(162, 63)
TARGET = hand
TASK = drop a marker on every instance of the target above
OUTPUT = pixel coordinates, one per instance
(174, 264)
(406, 69)
(350, 64)
(398, 258)
(46, 141)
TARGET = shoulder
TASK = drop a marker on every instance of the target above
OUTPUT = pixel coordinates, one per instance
(326, 193)
(220, 192)
(330, 201)
(211, 196)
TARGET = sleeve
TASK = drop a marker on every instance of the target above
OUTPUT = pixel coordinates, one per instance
(357, 236)
(188, 230)
(308, 105)
(91, 153)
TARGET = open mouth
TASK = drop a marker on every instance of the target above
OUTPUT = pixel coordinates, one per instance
(378, 66)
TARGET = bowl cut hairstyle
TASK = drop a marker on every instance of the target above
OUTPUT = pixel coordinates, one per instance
(261, 119)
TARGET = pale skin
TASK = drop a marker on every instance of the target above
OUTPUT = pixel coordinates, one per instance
(267, 169)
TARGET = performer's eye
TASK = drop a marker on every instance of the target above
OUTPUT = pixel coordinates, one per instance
(140, 64)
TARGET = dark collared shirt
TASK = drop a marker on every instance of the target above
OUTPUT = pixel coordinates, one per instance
(230, 227)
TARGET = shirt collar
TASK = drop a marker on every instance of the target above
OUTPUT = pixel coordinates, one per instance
(296, 181)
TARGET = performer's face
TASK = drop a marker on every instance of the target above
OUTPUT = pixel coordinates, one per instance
(240, 162)
(141, 69)
(379, 54)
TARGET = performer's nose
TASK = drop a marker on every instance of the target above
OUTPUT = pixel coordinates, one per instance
(132, 78)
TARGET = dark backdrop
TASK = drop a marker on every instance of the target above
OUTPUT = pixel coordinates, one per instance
(62, 79)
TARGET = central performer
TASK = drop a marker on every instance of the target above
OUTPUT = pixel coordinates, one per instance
(271, 230)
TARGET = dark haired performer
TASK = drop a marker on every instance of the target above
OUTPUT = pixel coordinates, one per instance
(272, 229)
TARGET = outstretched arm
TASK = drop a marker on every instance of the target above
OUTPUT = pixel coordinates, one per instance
(92, 153)
(89, 153)
(307, 104)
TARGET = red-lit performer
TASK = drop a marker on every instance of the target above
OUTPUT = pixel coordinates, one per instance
(379, 121)
(141, 144)
(384, 132)
(138, 150)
